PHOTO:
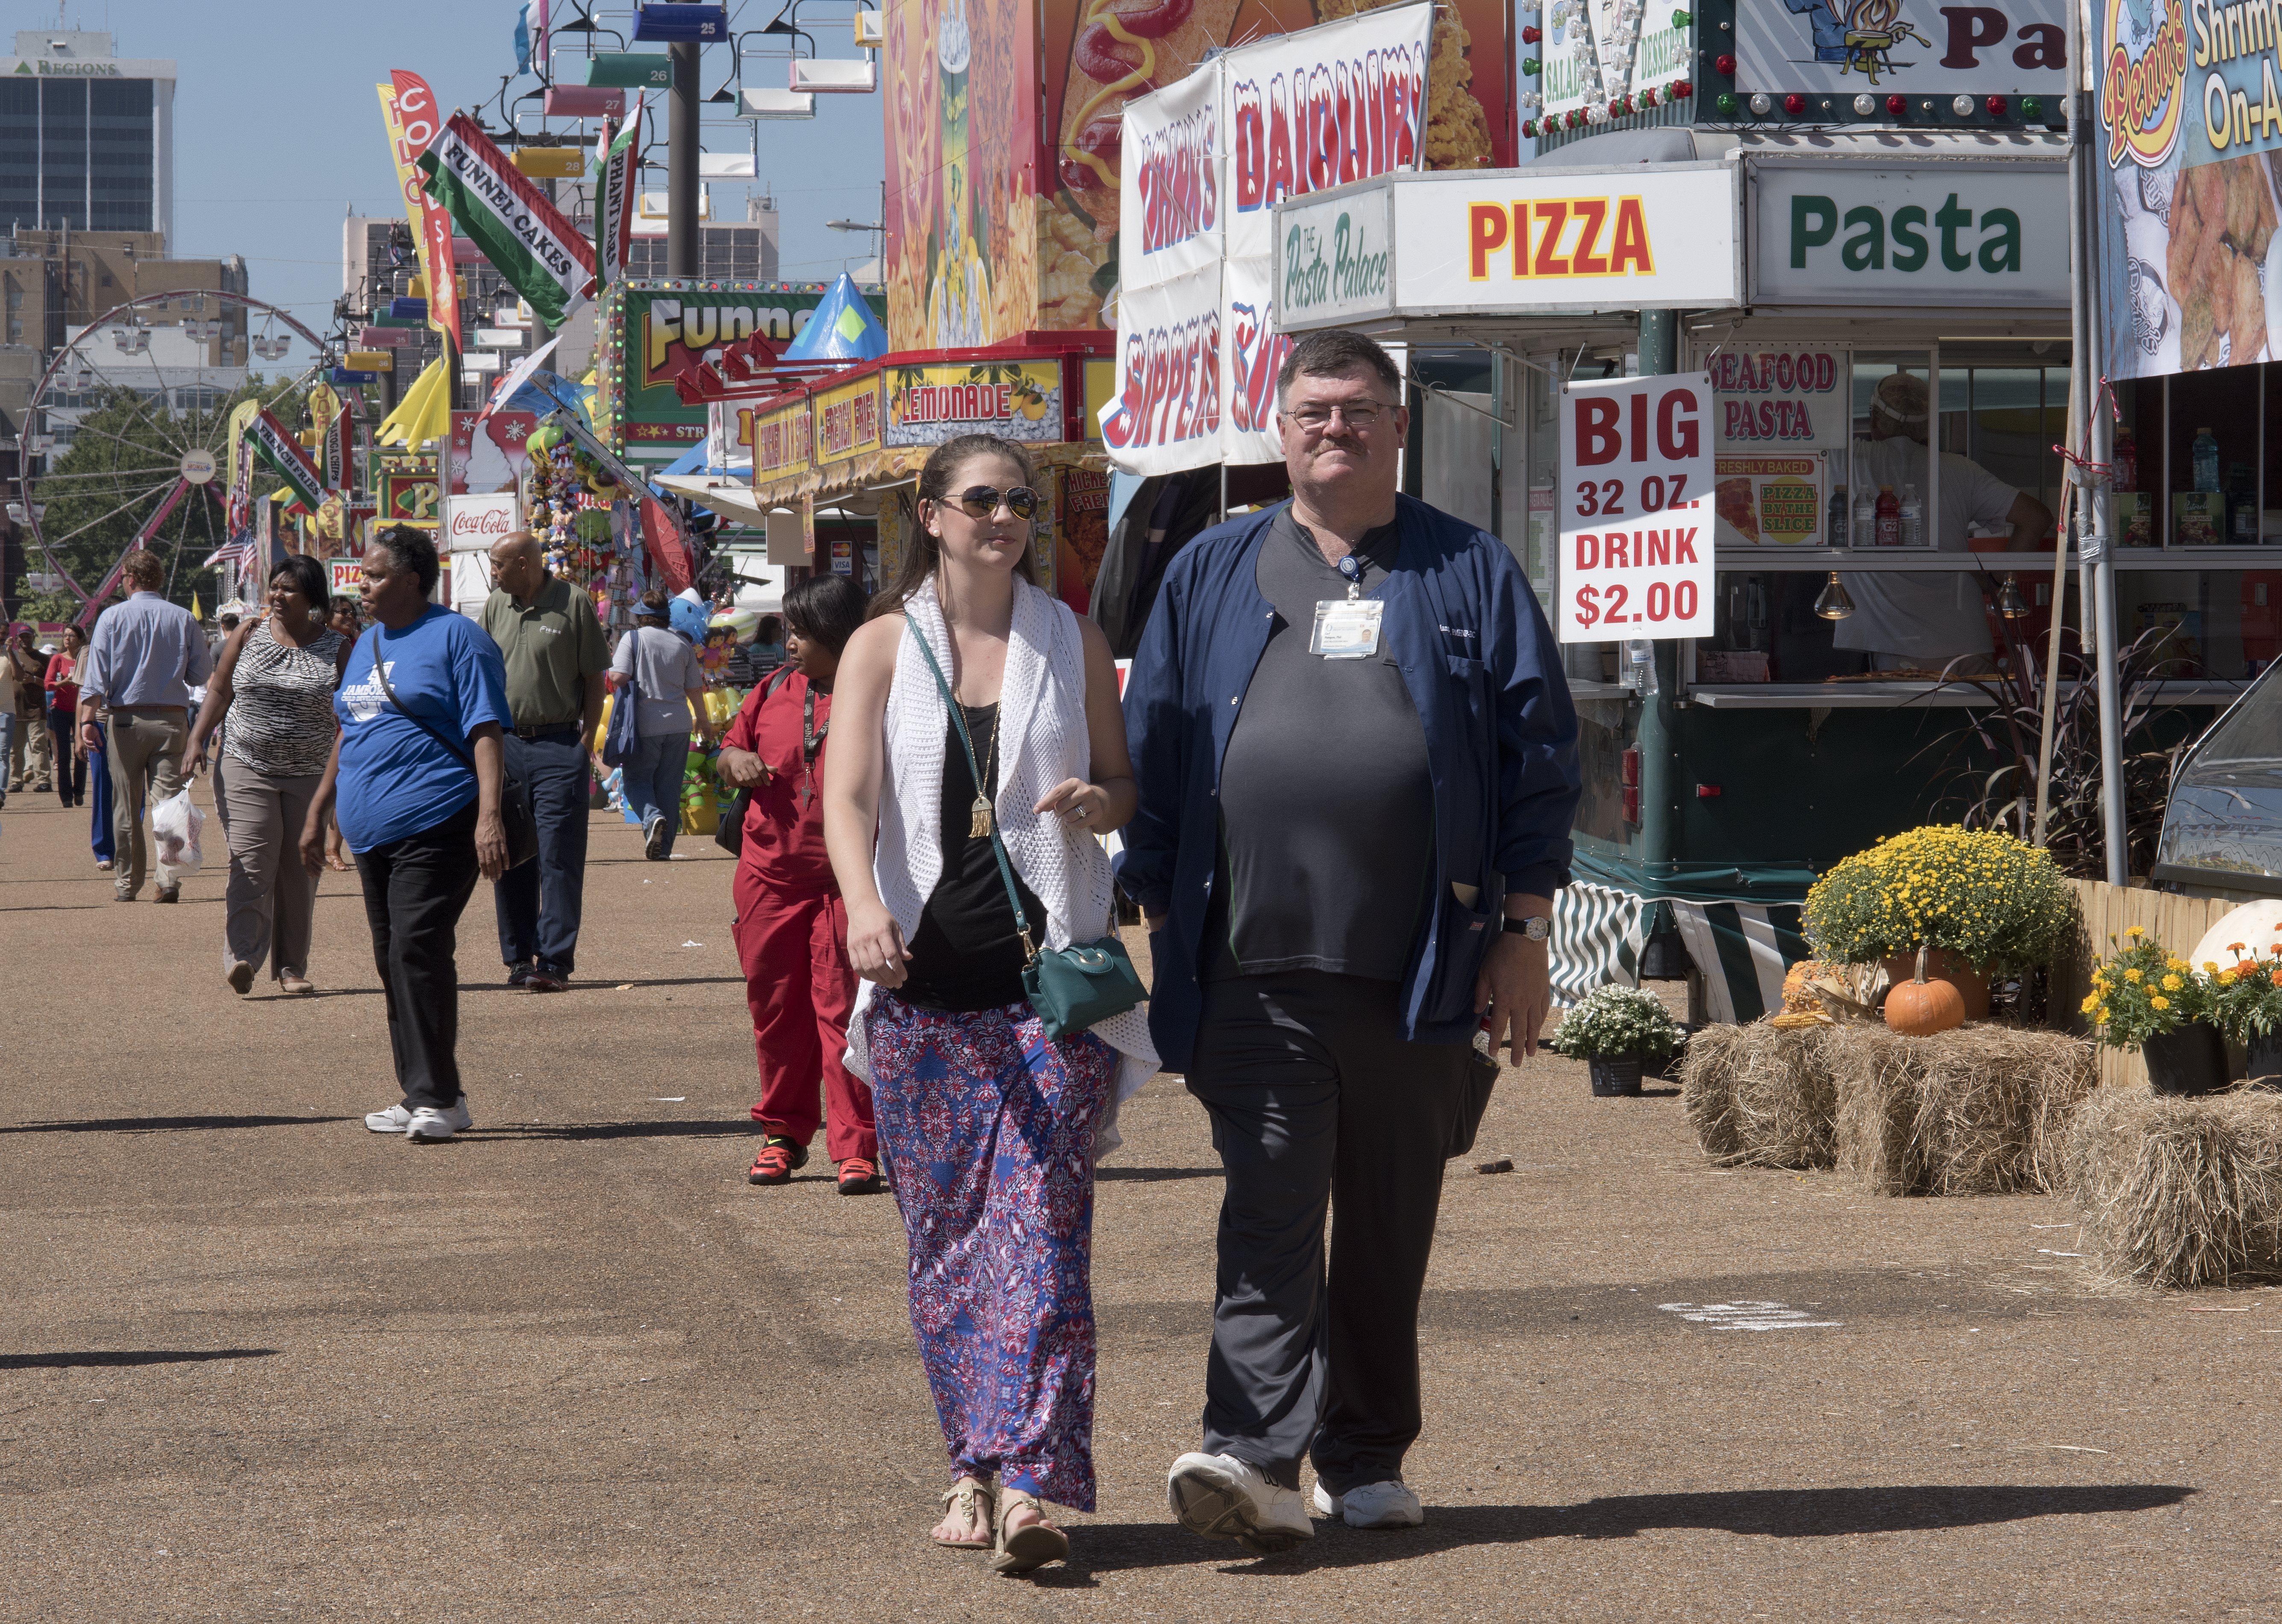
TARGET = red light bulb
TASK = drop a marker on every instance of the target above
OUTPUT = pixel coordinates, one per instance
(1530, 36)
(1996, 106)
(1794, 104)
(1726, 63)
(1680, 90)
(1895, 106)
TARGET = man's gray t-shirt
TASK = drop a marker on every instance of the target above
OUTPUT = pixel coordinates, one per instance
(1326, 800)
(666, 667)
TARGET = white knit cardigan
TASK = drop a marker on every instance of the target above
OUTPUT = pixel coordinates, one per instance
(1041, 741)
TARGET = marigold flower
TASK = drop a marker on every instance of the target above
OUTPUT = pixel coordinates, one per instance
(2133, 977)
(2225, 978)
(2234, 947)
(2141, 930)
(2210, 964)
(2100, 1015)
(2159, 1001)
(2091, 1002)
(2172, 984)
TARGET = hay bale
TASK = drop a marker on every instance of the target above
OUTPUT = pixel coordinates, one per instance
(1980, 1110)
(1760, 1096)
(2180, 1192)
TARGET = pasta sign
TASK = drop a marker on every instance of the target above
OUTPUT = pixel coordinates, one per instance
(1636, 558)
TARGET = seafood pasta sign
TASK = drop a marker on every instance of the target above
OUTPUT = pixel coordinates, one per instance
(1635, 524)
(2189, 125)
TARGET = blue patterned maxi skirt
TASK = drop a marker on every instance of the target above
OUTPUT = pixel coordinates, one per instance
(987, 1128)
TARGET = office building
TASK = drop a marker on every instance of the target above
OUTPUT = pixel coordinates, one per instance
(87, 139)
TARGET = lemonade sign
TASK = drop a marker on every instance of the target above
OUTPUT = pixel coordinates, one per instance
(1016, 400)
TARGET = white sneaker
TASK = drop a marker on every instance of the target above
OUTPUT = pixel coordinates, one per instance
(397, 1119)
(1389, 1504)
(1223, 1497)
(429, 1125)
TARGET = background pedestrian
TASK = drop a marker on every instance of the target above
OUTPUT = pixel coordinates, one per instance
(791, 927)
(29, 766)
(274, 681)
(62, 682)
(144, 658)
(988, 1123)
(555, 654)
(417, 779)
(672, 685)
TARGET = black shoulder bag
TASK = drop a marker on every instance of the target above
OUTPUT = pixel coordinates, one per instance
(729, 834)
(520, 824)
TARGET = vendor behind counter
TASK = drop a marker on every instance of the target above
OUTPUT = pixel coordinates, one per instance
(1926, 620)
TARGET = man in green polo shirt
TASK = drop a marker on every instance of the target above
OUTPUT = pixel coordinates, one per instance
(556, 655)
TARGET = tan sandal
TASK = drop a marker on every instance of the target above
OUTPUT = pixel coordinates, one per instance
(1031, 1546)
(973, 1500)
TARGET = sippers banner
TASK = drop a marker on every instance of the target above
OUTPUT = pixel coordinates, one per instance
(542, 256)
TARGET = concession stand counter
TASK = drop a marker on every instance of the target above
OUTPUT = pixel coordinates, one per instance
(1873, 309)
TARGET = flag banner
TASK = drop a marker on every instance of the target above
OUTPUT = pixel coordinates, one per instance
(539, 253)
(517, 376)
(239, 512)
(616, 190)
(339, 444)
(1166, 415)
(408, 108)
(277, 447)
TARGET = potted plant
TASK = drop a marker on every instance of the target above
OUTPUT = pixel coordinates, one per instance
(1614, 1030)
(2146, 998)
(2246, 1001)
(1971, 900)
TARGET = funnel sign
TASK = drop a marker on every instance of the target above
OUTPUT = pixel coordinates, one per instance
(1635, 509)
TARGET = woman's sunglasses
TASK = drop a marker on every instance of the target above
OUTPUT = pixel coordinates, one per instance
(980, 501)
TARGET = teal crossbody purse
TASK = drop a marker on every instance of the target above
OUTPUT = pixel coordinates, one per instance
(1070, 988)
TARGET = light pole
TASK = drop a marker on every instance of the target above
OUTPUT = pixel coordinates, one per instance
(681, 237)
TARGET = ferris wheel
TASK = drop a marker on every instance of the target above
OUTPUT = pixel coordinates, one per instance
(146, 368)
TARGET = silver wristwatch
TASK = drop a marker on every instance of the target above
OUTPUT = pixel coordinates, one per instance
(1537, 927)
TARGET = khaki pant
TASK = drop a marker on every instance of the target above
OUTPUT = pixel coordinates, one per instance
(272, 895)
(146, 759)
(29, 755)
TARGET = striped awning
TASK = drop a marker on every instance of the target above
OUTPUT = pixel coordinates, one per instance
(1598, 935)
(1742, 949)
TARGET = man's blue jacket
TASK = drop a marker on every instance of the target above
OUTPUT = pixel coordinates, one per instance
(1484, 671)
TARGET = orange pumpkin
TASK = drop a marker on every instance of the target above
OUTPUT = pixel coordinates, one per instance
(1920, 1008)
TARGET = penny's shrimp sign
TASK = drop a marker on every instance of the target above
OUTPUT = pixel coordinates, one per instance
(1635, 509)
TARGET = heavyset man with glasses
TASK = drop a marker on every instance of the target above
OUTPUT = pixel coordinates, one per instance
(1358, 764)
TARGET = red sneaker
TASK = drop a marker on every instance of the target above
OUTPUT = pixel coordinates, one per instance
(778, 1160)
(859, 1176)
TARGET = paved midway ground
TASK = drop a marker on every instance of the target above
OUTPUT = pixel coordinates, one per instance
(259, 1363)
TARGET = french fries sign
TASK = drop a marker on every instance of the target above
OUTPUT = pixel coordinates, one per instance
(1635, 517)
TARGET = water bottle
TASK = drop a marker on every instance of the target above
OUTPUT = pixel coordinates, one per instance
(2206, 460)
(1912, 518)
(1866, 518)
(1837, 516)
(1889, 518)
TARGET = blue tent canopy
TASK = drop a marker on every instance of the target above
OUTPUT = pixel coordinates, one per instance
(842, 328)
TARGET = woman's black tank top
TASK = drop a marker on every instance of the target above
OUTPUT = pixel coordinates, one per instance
(966, 955)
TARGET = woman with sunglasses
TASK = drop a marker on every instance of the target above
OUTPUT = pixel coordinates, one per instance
(991, 1129)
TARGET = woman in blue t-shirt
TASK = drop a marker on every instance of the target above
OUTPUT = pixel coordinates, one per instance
(419, 808)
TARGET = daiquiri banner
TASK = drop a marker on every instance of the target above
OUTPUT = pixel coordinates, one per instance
(2190, 142)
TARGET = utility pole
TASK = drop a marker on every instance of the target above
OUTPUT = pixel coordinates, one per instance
(681, 256)
(1659, 746)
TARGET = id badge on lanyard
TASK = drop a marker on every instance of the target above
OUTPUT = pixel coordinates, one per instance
(1348, 629)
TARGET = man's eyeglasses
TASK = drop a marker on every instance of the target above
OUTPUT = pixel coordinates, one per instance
(1361, 416)
(980, 501)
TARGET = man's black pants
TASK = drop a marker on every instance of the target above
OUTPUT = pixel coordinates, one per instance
(1316, 1099)
(415, 890)
(540, 903)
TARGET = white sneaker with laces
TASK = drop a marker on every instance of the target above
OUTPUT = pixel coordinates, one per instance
(1389, 1504)
(1223, 1497)
(429, 1125)
(397, 1119)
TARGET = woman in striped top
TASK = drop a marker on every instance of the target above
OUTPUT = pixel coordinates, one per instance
(275, 679)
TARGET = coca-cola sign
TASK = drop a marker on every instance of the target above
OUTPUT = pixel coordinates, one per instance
(475, 523)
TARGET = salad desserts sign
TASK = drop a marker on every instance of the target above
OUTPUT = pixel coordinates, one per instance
(2190, 140)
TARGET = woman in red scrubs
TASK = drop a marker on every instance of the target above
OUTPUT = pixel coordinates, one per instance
(791, 925)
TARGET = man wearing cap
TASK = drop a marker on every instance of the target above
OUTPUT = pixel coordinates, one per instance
(145, 657)
(1358, 766)
(556, 657)
(1924, 620)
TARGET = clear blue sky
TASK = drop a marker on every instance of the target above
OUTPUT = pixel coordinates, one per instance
(278, 132)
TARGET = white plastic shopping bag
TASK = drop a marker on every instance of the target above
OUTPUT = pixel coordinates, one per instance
(174, 825)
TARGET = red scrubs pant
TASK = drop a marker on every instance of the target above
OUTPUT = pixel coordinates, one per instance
(797, 981)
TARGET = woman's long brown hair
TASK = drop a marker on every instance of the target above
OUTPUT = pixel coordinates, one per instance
(922, 551)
